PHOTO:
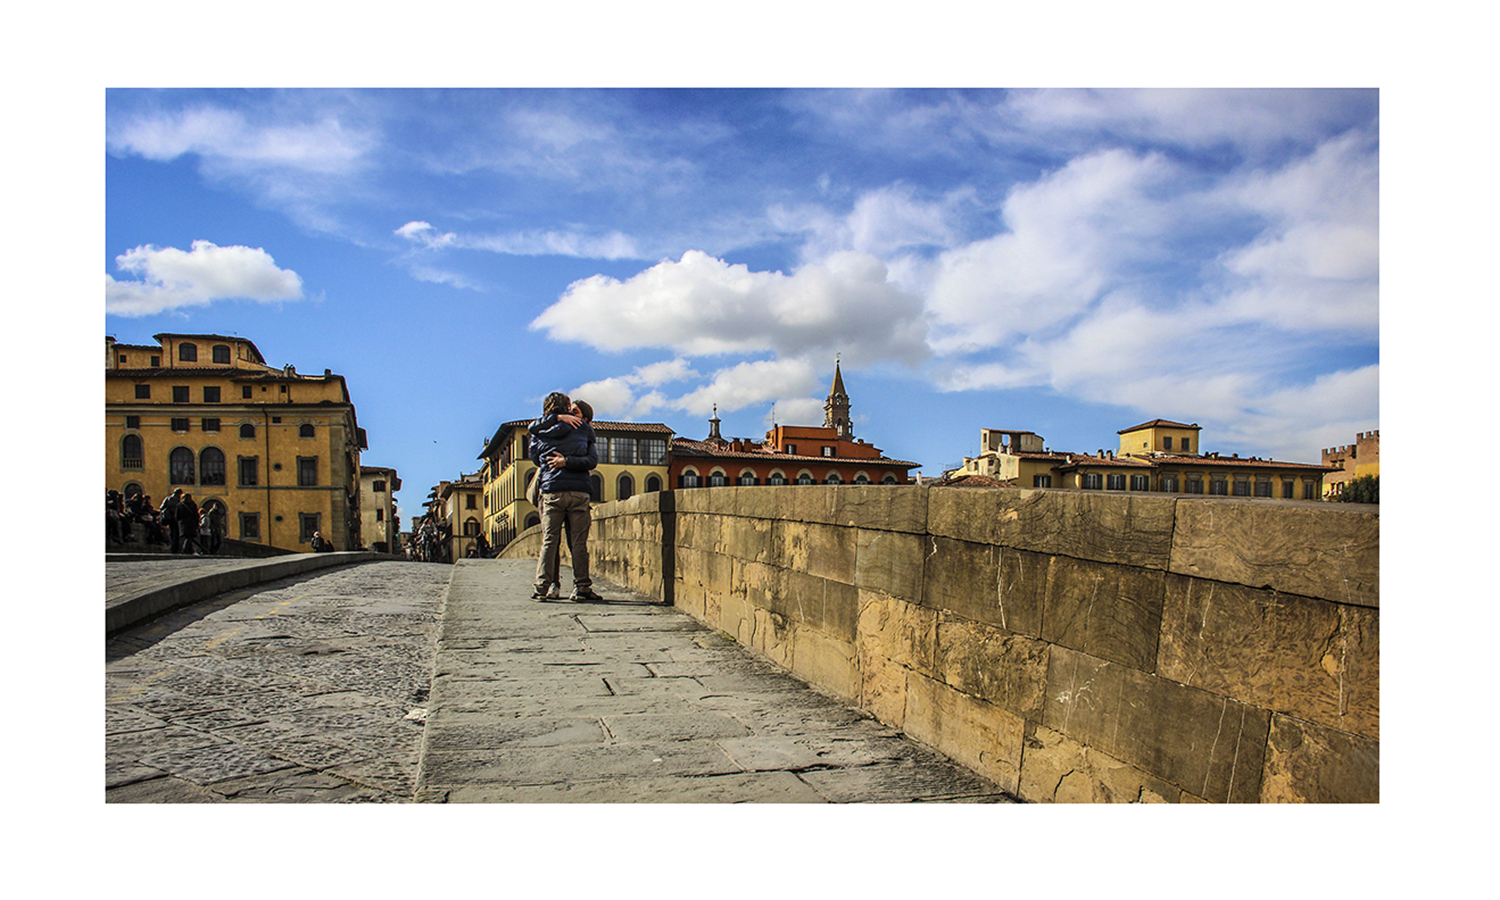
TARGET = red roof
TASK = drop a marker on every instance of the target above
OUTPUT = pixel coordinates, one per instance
(759, 451)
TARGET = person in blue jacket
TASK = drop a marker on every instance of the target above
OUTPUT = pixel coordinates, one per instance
(563, 449)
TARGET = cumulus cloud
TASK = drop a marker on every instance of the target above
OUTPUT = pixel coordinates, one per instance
(170, 278)
(620, 398)
(700, 305)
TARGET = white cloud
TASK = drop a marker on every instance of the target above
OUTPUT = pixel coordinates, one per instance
(611, 245)
(228, 141)
(617, 397)
(752, 383)
(700, 305)
(171, 278)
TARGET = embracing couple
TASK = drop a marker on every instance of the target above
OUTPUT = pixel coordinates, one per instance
(562, 446)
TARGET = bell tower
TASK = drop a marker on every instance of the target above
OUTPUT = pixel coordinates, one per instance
(836, 407)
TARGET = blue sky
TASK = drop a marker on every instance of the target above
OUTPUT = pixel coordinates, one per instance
(1070, 262)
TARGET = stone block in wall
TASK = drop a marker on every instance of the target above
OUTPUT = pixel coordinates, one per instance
(882, 687)
(773, 637)
(699, 531)
(900, 508)
(977, 734)
(825, 661)
(840, 610)
(1130, 529)
(1058, 769)
(737, 619)
(824, 551)
(762, 502)
(904, 633)
(1022, 596)
(1306, 763)
(1329, 550)
(1008, 670)
(962, 577)
(1205, 743)
(1301, 656)
(801, 599)
(761, 585)
(749, 539)
(888, 562)
(1109, 611)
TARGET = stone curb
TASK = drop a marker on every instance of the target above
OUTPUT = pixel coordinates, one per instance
(191, 587)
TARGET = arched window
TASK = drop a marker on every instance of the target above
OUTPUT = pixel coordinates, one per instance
(187, 352)
(247, 430)
(471, 527)
(211, 466)
(833, 478)
(805, 477)
(717, 478)
(653, 484)
(526, 488)
(132, 452)
(624, 486)
(596, 488)
(777, 477)
(689, 479)
(888, 479)
(181, 465)
(133, 489)
(304, 431)
(861, 478)
(221, 354)
(747, 477)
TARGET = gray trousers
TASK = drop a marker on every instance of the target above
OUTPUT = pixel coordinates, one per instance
(574, 507)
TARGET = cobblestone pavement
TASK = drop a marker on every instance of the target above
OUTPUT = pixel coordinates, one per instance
(309, 689)
(627, 701)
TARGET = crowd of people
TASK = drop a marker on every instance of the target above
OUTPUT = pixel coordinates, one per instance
(179, 523)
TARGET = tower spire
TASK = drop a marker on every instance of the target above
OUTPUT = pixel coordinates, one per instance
(836, 408)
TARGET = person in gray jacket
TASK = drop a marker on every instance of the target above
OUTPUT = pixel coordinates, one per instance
(564, 453)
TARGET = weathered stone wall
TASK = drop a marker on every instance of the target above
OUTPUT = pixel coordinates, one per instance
(1071, 646)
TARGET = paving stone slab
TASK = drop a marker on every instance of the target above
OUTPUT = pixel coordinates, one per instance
(163, 790)
(755, 787)
(572, 764)
(217, 762)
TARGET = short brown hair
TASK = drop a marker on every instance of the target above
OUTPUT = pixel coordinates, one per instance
(556, 402)
(585, 410)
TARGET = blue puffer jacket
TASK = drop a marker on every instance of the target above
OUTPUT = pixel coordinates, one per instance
(577, 447)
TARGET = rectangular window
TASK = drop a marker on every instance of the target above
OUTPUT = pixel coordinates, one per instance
(791, 449)
(1242, 486)
(1263, 487)
(1289, 490)
(246, 392)
(1091, 481)
(1169, 484)
(143, 392)
(249, 526)
(249, 471)
(211, 393)
(179, 424)
(180, 393)
(622, 451)
(122, 358)
(379, 515)
(1041, 481)
(276, 420)
(1140, 482)
(210, 424)
(156, 362)
(1219, 486)
(1309, 490)
(132, 421)
(470, 502)
(827, 451)
(1116, 482)
(379, 487)
(1195, 484)
(653, 452)
(309, 525)
(1166, 443)
(1187, 445)
(307, 471)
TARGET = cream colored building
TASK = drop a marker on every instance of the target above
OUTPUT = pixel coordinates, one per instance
(459, 508)
(277, 452)
(1159, 456)
(379, 520)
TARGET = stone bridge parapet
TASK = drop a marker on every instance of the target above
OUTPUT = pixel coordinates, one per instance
(1072, 646)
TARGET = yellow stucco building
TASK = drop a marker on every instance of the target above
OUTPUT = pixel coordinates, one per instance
(276, 451)
(379, 519)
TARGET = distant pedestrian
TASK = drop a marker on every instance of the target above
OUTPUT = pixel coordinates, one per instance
(187, 524)
(169, 518)
(319, 545)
